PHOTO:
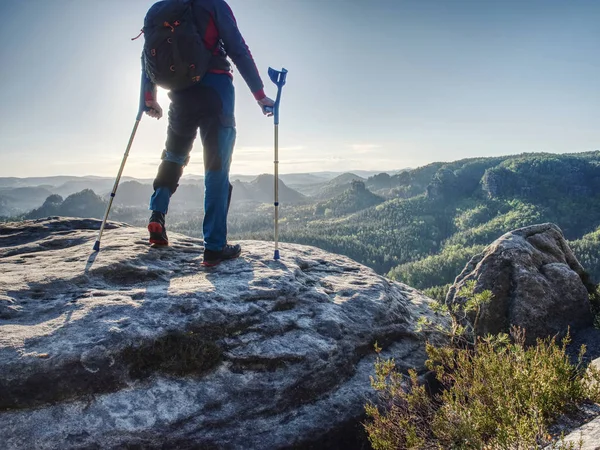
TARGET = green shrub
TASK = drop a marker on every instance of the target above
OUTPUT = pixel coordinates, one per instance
(405, 422)
(497, 393)
(540, 382)
(501, 395)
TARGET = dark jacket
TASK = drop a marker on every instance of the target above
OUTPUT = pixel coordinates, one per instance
(216, 21)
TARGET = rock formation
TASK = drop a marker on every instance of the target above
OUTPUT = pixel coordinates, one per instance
(536, 281)
(142, 348)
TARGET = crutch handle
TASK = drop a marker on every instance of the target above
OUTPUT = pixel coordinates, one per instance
(278, 77)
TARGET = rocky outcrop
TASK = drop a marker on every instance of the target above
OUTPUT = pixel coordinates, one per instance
(588, 435)
(536, 282)
(580, 425)
(142, 348)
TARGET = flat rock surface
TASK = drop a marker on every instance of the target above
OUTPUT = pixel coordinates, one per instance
(143, 348)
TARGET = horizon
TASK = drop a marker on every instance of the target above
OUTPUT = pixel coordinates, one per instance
(188, 175)
(458, 80)
(317, 172)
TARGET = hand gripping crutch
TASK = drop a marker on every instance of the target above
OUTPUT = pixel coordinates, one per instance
(142, 108)
(277, 77)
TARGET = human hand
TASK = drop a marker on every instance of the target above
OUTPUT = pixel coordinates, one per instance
(154, 109)
(265, 103)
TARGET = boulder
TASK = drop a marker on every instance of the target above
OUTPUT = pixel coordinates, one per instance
(135, 347)
(536, 281)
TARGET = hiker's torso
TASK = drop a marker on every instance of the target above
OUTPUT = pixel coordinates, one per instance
(204, 15)
(216, 26)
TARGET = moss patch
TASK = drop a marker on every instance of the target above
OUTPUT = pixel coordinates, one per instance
(179, 353)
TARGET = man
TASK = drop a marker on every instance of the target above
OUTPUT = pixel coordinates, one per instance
(209, 106)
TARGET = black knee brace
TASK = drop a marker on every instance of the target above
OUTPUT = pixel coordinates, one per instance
(168, 176)
(169, 172)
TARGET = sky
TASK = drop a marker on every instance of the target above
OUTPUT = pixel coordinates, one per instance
(372, 84)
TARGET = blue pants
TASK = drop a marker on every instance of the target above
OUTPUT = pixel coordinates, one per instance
(208, 106)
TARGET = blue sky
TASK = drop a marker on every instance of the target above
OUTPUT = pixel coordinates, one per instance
(373, 84)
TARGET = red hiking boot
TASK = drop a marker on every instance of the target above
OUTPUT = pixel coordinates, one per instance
(158, 232)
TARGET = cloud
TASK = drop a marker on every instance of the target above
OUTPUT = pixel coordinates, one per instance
(251, 149)
(364, 148)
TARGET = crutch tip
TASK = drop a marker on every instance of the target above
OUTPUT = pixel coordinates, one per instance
(97, 246)
(276, 256)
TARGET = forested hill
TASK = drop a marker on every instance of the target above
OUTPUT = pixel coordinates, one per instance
(419, 226)
(436, 217)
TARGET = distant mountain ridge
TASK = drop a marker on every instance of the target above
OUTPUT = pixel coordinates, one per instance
(322, 185)
(21, 199)
(133, 194)
(261, 190)
(81, 204)
(355, 198)
(56, 181)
